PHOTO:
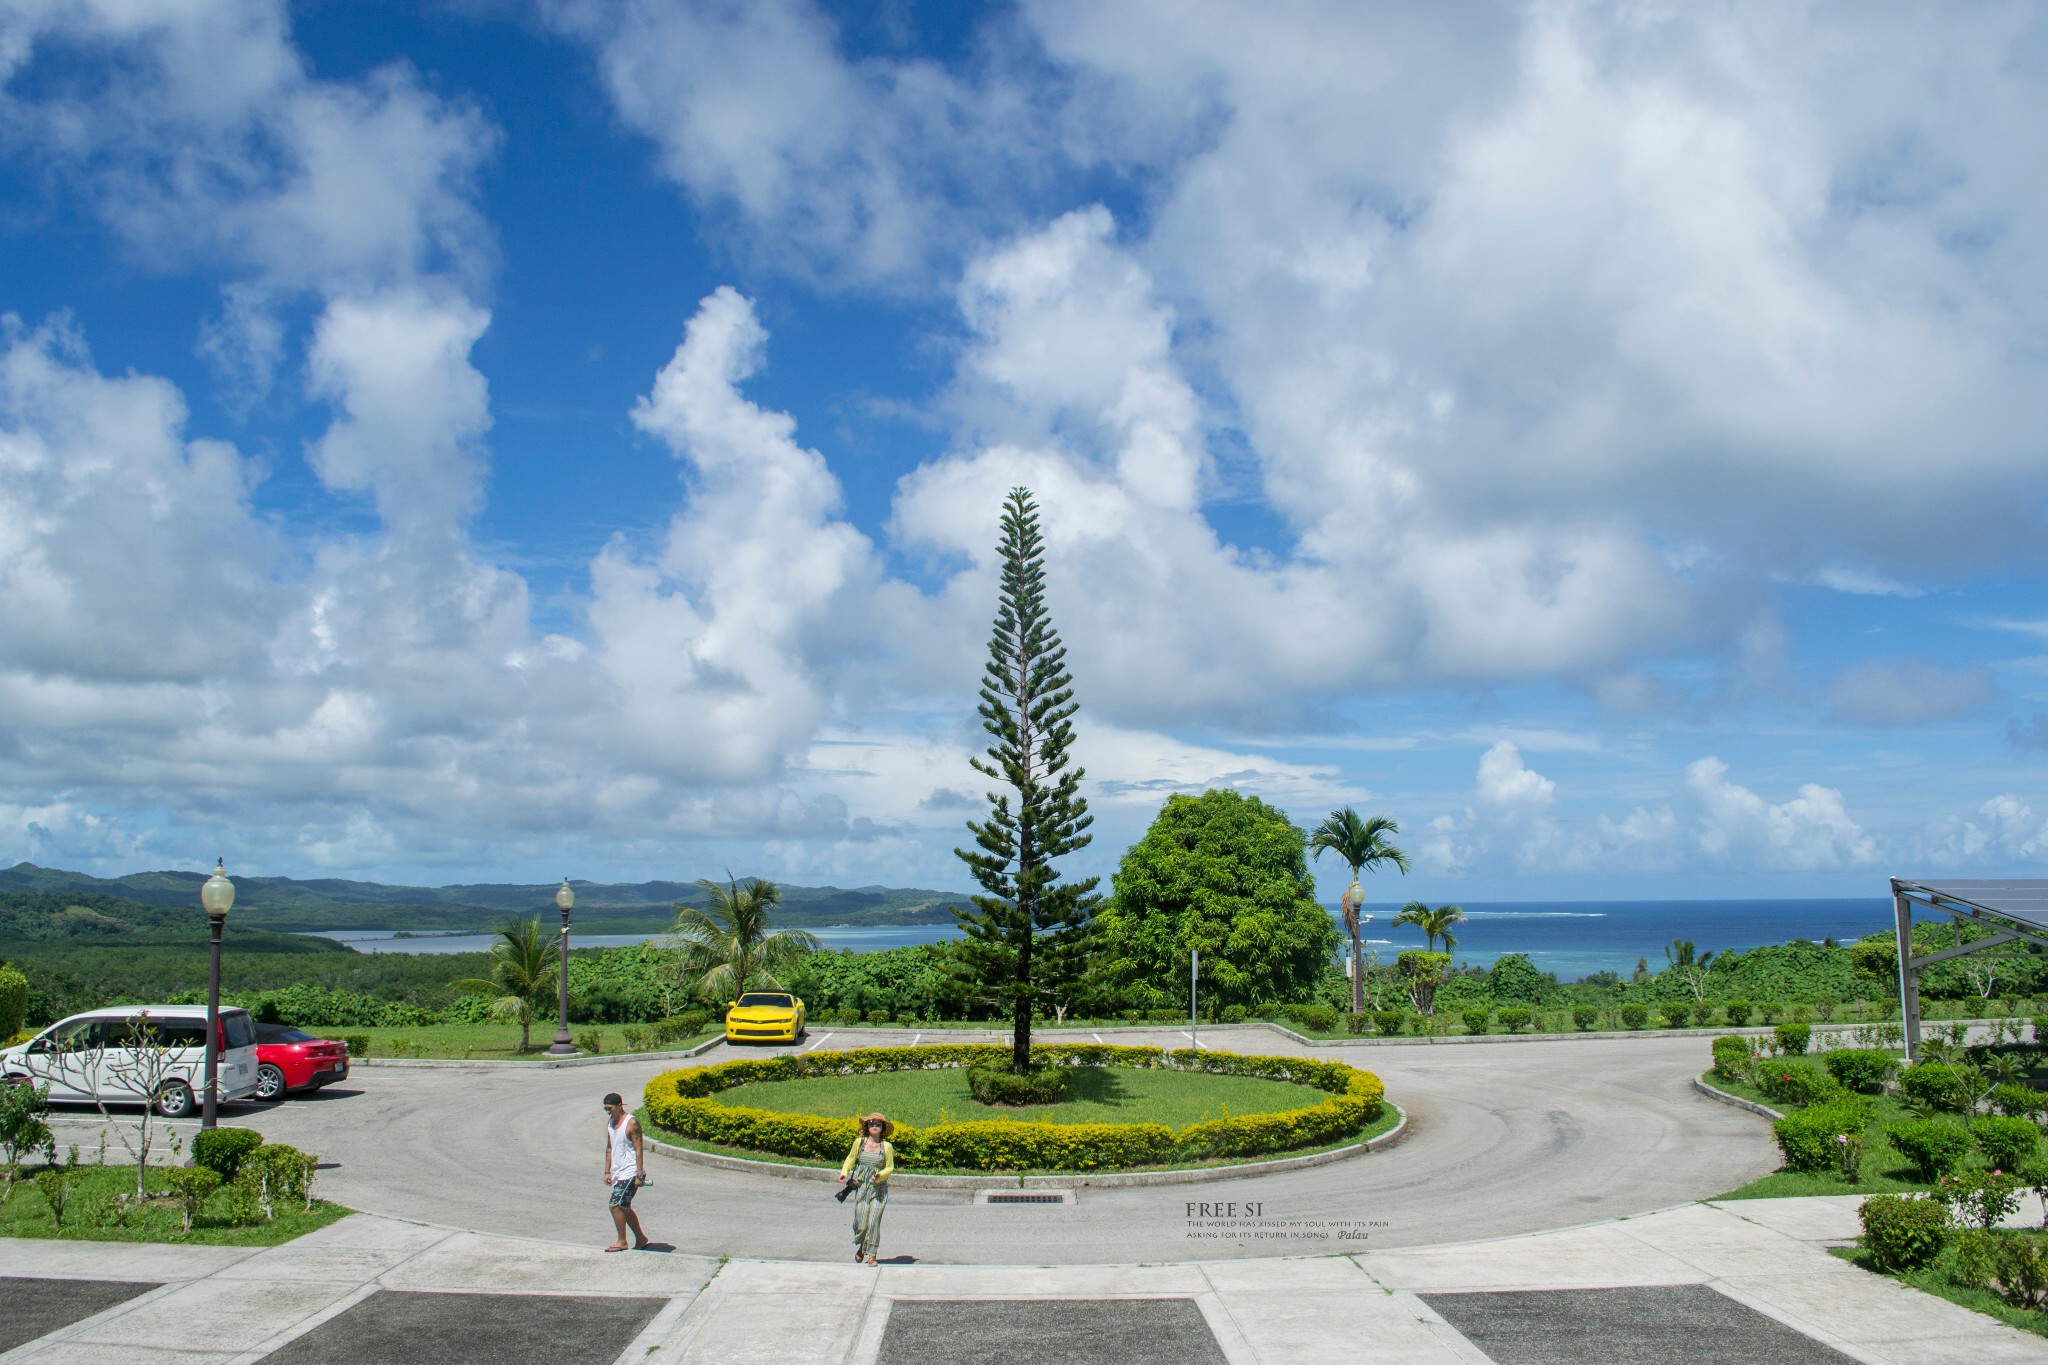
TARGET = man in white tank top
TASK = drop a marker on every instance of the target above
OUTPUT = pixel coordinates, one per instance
(625, 1167)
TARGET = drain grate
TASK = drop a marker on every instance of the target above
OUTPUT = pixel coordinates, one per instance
(1024, 1197)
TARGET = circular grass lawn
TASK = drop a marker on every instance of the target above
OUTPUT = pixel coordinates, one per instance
(1094, 1095)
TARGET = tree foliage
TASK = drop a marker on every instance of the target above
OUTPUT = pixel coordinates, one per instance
(525, 969)
(729, 946)
(1228, 874)
(1434, 924)
(1362, 844)
(1025, 932)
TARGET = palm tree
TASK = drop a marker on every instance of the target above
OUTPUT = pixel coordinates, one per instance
(1689, 966)
(1361, 844)
(523, 968)
(1434, 924)
(727, 946)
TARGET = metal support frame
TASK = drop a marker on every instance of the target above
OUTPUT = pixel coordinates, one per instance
(1903, 901)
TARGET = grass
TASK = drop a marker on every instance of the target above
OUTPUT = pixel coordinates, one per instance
(1884, 1169)
(1095, 1095)
(1385, 1123)
(90, 1214)
(1939, 1280)
(493, 1041)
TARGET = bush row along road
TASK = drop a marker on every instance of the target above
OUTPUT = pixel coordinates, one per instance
(1503, 1139)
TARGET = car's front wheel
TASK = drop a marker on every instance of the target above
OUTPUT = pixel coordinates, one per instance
(174, 1101)
(269, 1082)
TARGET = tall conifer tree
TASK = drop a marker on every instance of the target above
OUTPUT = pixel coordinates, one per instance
(1023, 934)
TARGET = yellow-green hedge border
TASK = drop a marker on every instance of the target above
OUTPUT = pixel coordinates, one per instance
(680, 1101)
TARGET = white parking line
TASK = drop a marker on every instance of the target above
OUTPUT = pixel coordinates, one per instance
(1190, 1037)
(1096, 1036)
(914, 1037)
(815, 1044)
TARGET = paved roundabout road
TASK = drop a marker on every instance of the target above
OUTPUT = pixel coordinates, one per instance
(1503, 1138)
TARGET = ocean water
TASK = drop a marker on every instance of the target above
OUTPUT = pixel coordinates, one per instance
(861, 938)
(1574, 939)
(1568, 938)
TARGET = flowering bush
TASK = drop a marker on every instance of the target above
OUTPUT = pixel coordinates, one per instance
(1981, 1199)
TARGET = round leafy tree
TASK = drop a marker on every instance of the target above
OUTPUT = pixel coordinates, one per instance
(1514, 977)
(1228, 874)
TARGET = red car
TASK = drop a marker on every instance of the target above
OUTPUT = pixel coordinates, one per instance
(288, 1059)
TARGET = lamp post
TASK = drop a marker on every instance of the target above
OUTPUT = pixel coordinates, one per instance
(563, 1045)
(1194, 1013)
(218, 896)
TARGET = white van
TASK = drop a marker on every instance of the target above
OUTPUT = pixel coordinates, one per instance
(133, 1054)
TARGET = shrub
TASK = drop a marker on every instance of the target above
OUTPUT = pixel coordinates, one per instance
(1634, 1015)
(13, 1001)
(877, 1016)
(1584, 1017)
(358, 1044)
(222, 1150)
(192, 1184)
(2007, 1143)
(1795, 1083)
(2041, 1028)
(1237, 1014)
(677, 1027)
(1357, 1023)
(1388, 1022)
(1767, 1010)
(1902, 1232)
(55, 1183)
(590, 1040)
(1044, 1085)
(1515, 1017)
(1738, 1012)
(2011, 1262)
(1860, 1068)
(638, 1039)
(1319, 1018)
(2017, 1101)
(680, 1100)
(283, 1175)
(1808, 1138)
(1475, 1019)
(1981, 1198)
(1934, 1146)
(1936, 1085)
(1731, 1057)
(1675, 1012)
(1793, 1039)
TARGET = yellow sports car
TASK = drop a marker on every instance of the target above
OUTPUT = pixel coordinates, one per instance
(765, 1017)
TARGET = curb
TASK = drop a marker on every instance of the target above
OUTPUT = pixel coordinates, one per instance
(1740, 1103)
(1051, 1180)
(542, 1063)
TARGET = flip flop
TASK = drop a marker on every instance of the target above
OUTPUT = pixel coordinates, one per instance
(611, 1249)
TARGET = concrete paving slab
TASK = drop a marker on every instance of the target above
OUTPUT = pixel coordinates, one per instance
(486, 1264)
(34, 1308)
(1041, 1282)
(1594, 1257)
(1719, 1243)
(1317, 1321)
(1626, 1326)
(100, 1353)
(1048, 1332)
(1869, 1312)
(214, 1314)
(1816, 1218)
(486, 1329)
(48, 1258)
(773, 1328)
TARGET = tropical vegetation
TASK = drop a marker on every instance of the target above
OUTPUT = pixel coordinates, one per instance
(1362, 845)
(1027, 931)
(525, 974)
(728, 946)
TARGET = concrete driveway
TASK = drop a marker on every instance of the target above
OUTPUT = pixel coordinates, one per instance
(1504, 1138)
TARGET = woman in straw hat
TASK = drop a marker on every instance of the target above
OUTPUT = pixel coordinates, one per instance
(868, 1165)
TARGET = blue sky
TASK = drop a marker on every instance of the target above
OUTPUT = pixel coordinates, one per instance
(491, 440)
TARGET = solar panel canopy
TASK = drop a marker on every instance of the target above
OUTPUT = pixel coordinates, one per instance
(2022, 901)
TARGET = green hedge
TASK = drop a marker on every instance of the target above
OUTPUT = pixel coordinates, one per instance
(1808, 1137)
(681, 1101)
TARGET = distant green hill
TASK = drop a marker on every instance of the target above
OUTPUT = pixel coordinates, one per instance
(41, 919)
(285, 903)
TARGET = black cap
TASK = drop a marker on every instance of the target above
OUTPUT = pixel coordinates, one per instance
(613, 1099)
